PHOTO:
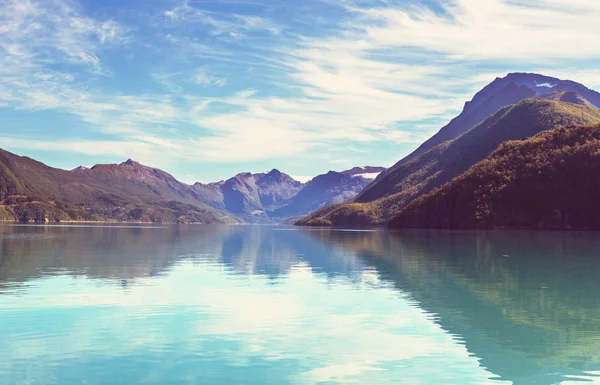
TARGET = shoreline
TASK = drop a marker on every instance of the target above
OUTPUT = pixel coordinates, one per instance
(4, 221)
(465, 229)
(101, 223)
(68, 222)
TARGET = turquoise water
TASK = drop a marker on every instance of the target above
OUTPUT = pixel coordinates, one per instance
(267, 305)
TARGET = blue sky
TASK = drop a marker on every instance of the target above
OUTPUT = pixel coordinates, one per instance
(207, 89)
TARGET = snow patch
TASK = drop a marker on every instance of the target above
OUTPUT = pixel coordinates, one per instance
(548, 85)
(369, 175)
(302, 178)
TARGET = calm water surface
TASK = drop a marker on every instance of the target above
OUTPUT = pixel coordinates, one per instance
(267, 305)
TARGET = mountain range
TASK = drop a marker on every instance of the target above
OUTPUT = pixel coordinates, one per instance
(513, 108)
(130, 191)
(502, 92)
(32, 191)
(264, 197)
(497, 164)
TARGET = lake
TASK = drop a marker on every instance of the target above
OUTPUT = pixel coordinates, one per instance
(216, 305)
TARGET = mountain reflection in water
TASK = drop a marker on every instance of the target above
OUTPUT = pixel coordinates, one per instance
(525, 305)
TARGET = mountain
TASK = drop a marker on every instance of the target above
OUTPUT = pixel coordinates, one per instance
(250, 195)
(331, 188)
(80, 169)
(130, 191)
(32, 191)
(502, 92)
(275, 188)
(134, 179)
(442, 163)
(549, 181)
(265, 197)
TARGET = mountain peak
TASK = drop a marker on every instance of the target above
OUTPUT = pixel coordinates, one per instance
(543, 84)
(502, 92)
(130, 162)
(276, 177)
(245, 174)
(523, 76)
(80, 169)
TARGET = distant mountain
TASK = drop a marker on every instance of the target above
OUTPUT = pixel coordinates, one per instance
(80, 169)
(32, 191)
(331, 188)
(250, 195)
(136, 180)
(275, 188)
(550, 181)
(130, 191)
(274, 196)
(408, 180)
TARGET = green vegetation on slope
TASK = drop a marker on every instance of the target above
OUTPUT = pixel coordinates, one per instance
(548, 181)
(450, 159)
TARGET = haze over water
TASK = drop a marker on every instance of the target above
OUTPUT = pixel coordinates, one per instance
(270, 305)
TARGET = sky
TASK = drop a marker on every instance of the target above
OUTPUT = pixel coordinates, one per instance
(206, 89)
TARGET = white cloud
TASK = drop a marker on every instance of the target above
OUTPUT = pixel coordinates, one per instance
(233, 25)
(203, 77)
(492, 29)
(350, 93)
(48, 32)
(385, 69)
(355, 149)
(257, 22)
(143, 150)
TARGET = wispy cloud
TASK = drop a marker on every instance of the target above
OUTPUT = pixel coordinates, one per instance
(380, 72)
(51, 32)
(142, 150)
(490, 29)
(204, 77)
(357, 86)
(231, 24)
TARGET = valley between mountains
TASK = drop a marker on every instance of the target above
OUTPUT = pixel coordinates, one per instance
(523, 153)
